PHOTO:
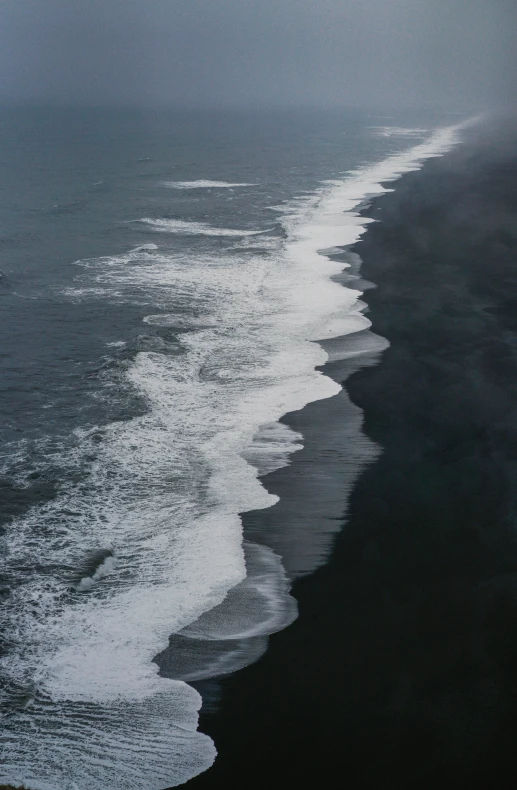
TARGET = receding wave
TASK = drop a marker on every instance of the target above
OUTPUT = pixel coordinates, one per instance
(234, 634)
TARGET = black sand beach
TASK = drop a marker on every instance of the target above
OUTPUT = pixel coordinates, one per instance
(401, 670)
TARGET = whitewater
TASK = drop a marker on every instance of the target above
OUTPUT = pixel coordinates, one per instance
(159, 507)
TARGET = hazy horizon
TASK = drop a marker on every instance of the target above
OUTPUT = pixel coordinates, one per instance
(450, 55)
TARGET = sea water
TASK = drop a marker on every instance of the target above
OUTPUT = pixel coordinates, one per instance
(165, 279)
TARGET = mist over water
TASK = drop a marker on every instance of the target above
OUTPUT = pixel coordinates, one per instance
(452, 55)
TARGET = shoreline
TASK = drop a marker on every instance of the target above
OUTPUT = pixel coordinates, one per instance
(305, 554)
(292, 531)
(368, 679)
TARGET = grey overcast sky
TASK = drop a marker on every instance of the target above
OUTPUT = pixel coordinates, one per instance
(457, 54)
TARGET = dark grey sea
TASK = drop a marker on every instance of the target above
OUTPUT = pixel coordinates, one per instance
(164, 279)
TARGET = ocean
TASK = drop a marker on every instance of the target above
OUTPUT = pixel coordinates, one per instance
(164, 279)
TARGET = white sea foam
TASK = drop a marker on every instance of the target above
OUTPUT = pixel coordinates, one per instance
(203, 184)
(163, 492)
(193, 228)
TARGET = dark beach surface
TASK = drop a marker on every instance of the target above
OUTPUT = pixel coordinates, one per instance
(401, 670)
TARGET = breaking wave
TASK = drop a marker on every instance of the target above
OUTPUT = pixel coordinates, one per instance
(194, 228)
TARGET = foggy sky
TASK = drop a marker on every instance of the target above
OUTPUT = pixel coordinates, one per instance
(455, 54)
